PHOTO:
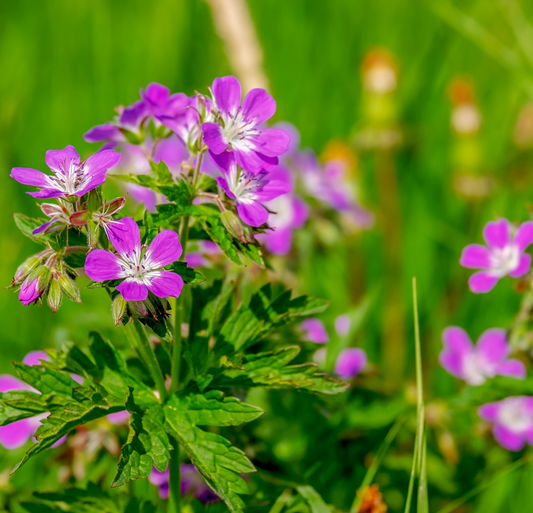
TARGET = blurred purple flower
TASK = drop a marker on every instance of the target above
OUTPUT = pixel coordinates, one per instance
(512, 421)
(120, 417)
(71, 176)
(255, 148)
(342, 325)
(141, 272)
(192, 483)
(503, 256)
(313, 330)
(350, 363)
(200, 258)
(474, 364)
(249, 190)
(159, 102)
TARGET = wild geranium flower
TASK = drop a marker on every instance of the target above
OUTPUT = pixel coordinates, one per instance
(141, 270)
(504, 254)
(249, 190)
(350, 362)
(71, 177)
(159, 102)
(313, 330)
(475, 364)
(512, 421)
(192, 483)
(240, 130)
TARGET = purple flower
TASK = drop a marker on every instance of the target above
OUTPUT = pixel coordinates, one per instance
(512, 421)
(248, 190)
(350, 363)
(313, 330)
(59, 218)
(71, 176)
(141, 271)
(30, 291)
(159, 102)
(120, 417)
(191, 483)
(288, 213)
(503, 256)
(342, 325)
(206, 248)
(255, 148)
(474, 364)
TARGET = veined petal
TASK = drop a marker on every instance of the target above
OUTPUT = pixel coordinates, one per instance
(132, 291)
(492, 346)
(523, 266)
(227, 94)
(258, 104)
(497, 233)
(60, 161)
(163, 250)
(214, 137)
(272, 189)
(513, 368)
(125, 237)
(271, 142)
(47, 193)
(475, 256)
(482, 282)
(29, 176)
(253, 214)
(166, 284)
(101, 265)
(524, 235)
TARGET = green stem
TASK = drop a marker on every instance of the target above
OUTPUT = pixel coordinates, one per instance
(174, 482)
(176, 352)
(137, 337)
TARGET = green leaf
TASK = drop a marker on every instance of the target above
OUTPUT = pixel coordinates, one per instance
(45, 379)
(20, 404)
(189, 275)
(272, 370)
(215, 458)
(27, 224)
(162, 173)
(253, 252)
(181, 193)
(313, 498)
(221, 237)
(147, 444)
(143, 180)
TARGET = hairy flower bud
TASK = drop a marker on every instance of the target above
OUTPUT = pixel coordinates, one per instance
(138, 308)
(69, 287)
(118, 309)
(55, 295)
(233, 224)
(26, 268)
(94, 201)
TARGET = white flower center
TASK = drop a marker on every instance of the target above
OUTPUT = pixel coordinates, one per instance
(69, 180)
(284, 212)
(237, 130)
(504, 260)
(138, 268)
(244, 185)
(513, 415)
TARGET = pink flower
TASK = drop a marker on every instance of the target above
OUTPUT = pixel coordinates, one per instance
(474, 364)
(350, 362)
(503, 256)
(313, 330)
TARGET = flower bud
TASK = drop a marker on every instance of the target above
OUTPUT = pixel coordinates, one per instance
(73, 198)
(69, 287)
(55, 296)
(26, 268)
(93, 231)
(80, 218)
(94, 201)
(138, 308)
(118, 308)
(233, 224)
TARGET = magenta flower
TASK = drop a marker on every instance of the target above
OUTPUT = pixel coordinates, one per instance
(255, 148)
(30, 291)
(503, 256)
(249, 190)
(288, 213)
(140, 270)
(350, 362)
(342, 325)
(192, 483)
(313, 330)
(71, 176)
(475, 364)
(200, 258)
(512, 421)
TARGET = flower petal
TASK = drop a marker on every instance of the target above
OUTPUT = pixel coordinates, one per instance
(475, 256)
(166, 284)
(513, 368)
(35, 357)
(125, 237)
(350, 362)
(271, 142)
(164, 249)
(489, 411)
(133, 115)
(278, 242)
(492, 346)
(523, 266)
(272, 189)
(214, 137)
(224, 186)
(133, 291)
(107, 132)
(8, 382)
(481, 282)
(29, 291)
(253, 214)
(314, 331)
(524, 235)
(61, 160)
(29, 176)
(227, 94)
(101, 265)
(457, 346)
(506, 438)
(497, 233)
(258, 104)
(96, 168)
(16, 434)
(252, 160)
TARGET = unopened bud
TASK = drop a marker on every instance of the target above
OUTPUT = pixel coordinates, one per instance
(93, 231)
(94, 201)
(118, 309)
(233, 224)
(55, 296)
(202, 109)
(80, 218)
(73, 198)
(26, 268)
(69, 287)
(138, 308)
(43, 274)
(114, 206)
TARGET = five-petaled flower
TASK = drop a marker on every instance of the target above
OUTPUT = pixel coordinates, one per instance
(248, 190)
(71, 177)
(141, 270)
(240, 129)
(503, 256)
(512, 421)
(474, 364)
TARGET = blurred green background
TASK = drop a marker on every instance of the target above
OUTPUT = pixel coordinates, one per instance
(65, 65)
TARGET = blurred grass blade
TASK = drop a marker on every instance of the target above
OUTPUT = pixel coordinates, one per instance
(411, 481)
(522, 28)
(281, 501)
(313, 499)
(483, 486)
(422, 505)
(376, 462)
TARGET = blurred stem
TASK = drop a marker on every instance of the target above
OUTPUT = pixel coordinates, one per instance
(174, 483)
(519, 338)
(137, 337)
